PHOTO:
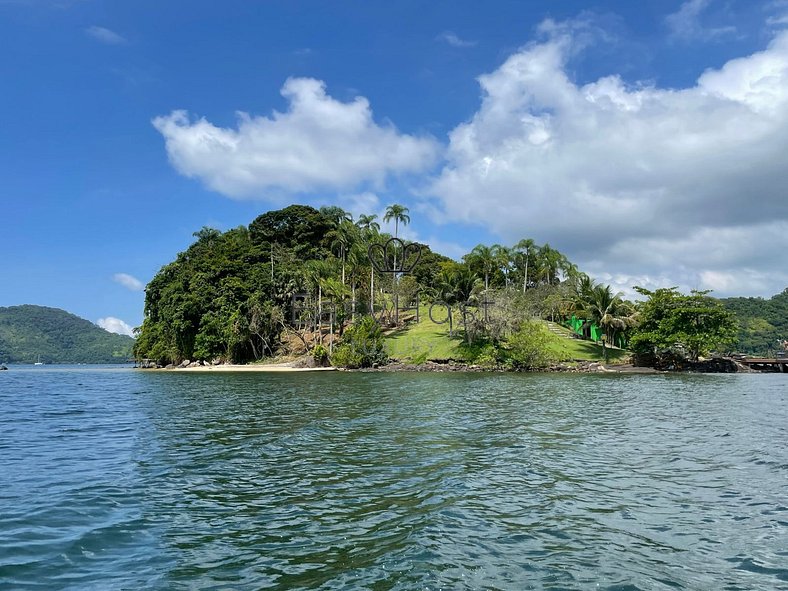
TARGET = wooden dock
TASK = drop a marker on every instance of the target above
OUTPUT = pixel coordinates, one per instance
(766, 363)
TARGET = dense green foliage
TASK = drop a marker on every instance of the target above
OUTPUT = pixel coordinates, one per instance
(531, 347)
(362, 345)
(673, 325)
(229, 294)
(761, 323)
(29, 333)
(299, 276)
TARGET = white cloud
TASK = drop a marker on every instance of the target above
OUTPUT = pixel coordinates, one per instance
(361, 204)
(672, 184)
(128, 281)
(105, 35)
(454, 40)
(319, 143)
(116, 325)
(685, 23)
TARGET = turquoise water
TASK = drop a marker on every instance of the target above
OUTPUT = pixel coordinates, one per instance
(122, 479)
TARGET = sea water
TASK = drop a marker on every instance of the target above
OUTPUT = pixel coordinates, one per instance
(114, 478)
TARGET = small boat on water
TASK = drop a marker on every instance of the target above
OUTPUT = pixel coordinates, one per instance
(39, 362)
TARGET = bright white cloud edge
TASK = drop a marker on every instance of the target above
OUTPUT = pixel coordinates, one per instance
(680, 186)
(319, 143)
(116, 325)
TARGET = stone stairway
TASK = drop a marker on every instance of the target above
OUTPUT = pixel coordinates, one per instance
(559, 331)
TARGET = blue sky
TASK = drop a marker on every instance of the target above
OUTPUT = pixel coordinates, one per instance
(646, 140)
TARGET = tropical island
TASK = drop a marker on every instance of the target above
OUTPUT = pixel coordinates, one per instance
(325, 289)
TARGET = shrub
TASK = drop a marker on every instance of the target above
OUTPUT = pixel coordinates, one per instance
(320, 355)
(361, 346)
(531, 347)
(484, 353)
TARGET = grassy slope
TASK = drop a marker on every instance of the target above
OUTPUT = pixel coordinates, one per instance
(427, 340)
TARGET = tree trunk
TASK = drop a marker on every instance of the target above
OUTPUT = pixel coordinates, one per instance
(320, 313)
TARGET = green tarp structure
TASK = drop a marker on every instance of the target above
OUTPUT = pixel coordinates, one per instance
(576, 324)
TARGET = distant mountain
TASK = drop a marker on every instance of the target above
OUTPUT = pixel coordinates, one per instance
(29, 333)
(762, 323)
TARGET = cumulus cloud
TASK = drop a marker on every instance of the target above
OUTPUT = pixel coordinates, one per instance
(116, 325)
(454, 40)
(318, 143)
(663, 183)
(128, 281)
(105, 35)
(685, 23)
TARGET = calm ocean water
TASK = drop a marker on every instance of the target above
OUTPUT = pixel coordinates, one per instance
(122, 479)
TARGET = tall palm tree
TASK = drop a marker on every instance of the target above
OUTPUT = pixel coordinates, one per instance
(342, 238)
(357, 258)
(398, 213)
(317, 271)
(482, 257)
(550, 262)
(503, 256)
(523, 248)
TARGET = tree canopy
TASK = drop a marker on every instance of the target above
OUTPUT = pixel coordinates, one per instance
(672, 324)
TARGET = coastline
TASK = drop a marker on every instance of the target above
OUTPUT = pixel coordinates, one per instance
(452, 366)
(250, 368)
(428, 367)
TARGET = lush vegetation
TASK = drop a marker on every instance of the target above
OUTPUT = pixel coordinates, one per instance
(362, 345)
(302, 280)
(676, 326)
(32, 333)
(762, 323)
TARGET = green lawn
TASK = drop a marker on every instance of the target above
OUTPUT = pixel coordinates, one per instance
(422, 341)
(427, 340)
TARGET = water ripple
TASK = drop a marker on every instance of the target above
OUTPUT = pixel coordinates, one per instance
(121, 479)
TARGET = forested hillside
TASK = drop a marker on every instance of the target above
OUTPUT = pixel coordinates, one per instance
(29, 333)
(302, 280)
(230, 294)
(762, 322)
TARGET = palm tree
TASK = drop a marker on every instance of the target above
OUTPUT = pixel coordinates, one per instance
(335, 214)
(336, 292)
(367, 223)
(317, 271)
(524, 248)
(398, 213)
(369, 234)
(482, 257)
(358, 259)
(550, 262)
(456, 287)
(606, 309)
(342, 237)
(503, 256)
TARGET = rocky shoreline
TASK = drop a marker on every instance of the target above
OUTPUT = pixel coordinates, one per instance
(716, 365)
